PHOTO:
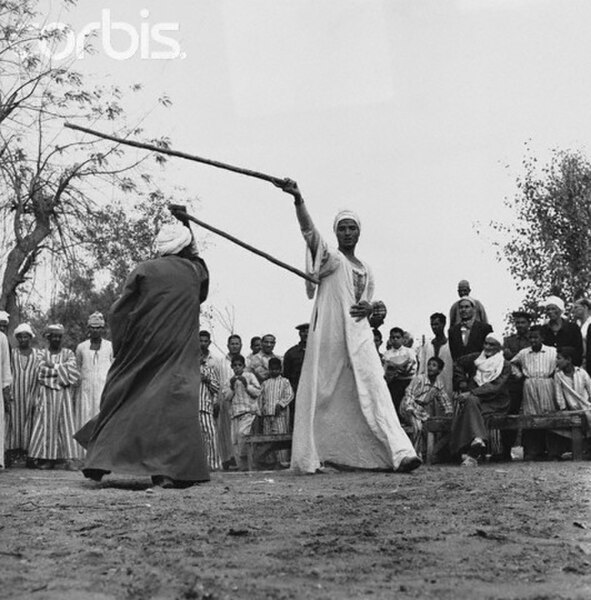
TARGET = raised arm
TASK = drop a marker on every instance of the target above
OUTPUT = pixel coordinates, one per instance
(309, 232)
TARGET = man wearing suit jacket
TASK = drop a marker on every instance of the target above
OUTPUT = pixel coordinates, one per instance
(468, 335)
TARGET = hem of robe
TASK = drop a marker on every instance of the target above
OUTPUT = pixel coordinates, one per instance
(142, 471)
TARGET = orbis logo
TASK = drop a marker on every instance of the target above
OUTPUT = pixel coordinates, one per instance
(147, 39)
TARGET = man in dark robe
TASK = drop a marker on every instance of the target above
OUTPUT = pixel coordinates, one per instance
(292, 364)
(148, 422)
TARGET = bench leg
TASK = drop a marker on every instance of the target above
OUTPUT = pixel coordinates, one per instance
(577, 443)
(250, 455)
(430, 447)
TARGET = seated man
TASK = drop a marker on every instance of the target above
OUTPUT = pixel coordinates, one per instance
(482, 383)
(425, 397)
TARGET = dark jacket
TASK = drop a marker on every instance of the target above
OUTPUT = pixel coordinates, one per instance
(475, 340)
(569, 334)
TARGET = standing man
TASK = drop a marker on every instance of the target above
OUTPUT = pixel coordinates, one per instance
(147, 424)
(454, 312)
(24, 361)
(94, 357)
(4, 317)
(53, 411)
(558, 332)
(467, 336)
(259, 364)
(438, 347)
(224, 419)
(292, 365)
(5, 381)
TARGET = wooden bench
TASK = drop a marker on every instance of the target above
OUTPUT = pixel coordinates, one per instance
(569, 420)
(276, 441)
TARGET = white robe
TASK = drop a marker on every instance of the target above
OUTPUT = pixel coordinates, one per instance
(344, 412)
(5, 381)
(94, 366)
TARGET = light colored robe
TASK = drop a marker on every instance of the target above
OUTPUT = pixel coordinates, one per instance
(344, 413)
(5, 381)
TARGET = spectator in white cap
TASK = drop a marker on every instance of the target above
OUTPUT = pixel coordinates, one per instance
(482, 383)
(558, 332)
(94, 357)
(25, 370)
(52, 434)
(5, 382)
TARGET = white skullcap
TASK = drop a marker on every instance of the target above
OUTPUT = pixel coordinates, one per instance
(172, 238)
(4, 316)
(345, 214)
(554, 300)
(24, 328)
(96, 319)
(469, 299)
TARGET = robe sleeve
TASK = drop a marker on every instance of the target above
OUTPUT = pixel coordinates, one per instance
(122, 308)
(559, 392)
(5, 373)
(253, 389)
(286, 394)
(67, 370)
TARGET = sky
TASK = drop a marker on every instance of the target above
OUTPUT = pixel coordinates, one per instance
(412, 113)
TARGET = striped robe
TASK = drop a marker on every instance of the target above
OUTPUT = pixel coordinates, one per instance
(5, 381)
(53, 420)
(25, 369)
(276, 391)
(207, 398)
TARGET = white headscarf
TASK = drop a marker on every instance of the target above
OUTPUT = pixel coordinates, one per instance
(172, 238)
(345, 214)
(24, 328)
(488, 368)
(555, 300)
(4, 316)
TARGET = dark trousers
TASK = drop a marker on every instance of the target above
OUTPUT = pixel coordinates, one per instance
(397, 388)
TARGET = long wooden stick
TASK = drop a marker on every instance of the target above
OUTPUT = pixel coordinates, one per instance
(275, 261)
(200, 159)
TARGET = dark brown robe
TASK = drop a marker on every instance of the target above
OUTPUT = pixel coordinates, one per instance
(148, 422)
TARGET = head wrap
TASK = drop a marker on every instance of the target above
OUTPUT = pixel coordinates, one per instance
(54, 328)
(4, 316)
(96, 319)
(491, 338)
(24, 328)
(172, 238)
(345, 214)
(553, 300)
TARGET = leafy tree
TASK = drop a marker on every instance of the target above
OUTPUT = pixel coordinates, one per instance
(548, 246)
(51, 180)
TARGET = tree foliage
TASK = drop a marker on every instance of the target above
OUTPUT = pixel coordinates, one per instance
(53, 181)
(548, 245)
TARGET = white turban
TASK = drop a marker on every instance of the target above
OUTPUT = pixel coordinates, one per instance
(345, 214)
(554, 300)
(491, 338)
(4, 316)
(469, 299)
(96, 319)
(24, 328)
(54, 328)
(172, 238)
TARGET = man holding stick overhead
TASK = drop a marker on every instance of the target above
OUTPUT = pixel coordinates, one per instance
(344, 414)
(148, 423)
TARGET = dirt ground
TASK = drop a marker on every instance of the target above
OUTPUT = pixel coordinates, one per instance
(520, 530)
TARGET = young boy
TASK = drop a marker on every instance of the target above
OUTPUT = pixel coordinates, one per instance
(425, 397)
(242, 392)
(400, 365)
(537, 364)
(275, 398)
(573, 392)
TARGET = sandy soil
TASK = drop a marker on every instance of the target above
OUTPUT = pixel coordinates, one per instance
(498, 531)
